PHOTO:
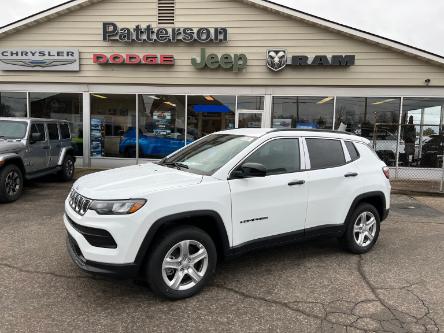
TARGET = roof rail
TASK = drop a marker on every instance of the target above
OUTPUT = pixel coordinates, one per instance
(308, 130)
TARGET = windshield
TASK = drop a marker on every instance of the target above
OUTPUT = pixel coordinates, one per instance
(209, 154)
(12, 129)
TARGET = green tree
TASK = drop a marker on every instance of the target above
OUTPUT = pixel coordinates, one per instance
(428, 131)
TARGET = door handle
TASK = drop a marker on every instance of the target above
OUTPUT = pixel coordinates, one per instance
(296, 182)
(351, 174)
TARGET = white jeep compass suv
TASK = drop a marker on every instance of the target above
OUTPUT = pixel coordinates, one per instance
(224, 194)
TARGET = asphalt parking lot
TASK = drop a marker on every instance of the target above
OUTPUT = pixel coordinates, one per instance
(311, 287)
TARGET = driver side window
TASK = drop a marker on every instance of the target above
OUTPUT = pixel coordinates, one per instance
(279, 156)
(38, 129)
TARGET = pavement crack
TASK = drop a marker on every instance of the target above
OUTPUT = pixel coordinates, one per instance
(29, 271)
(369, 284)
(287, 305)
(375, 289)
(274, 302)
(422, 222)
(427, 314)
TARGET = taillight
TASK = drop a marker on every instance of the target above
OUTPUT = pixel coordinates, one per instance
(386, 171)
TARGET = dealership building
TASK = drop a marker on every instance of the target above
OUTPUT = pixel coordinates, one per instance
(139, 79)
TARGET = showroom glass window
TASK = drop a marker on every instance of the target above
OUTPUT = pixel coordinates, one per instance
(250, 111)
(208, 114)
(422, 132)
(13, 104)
(360, 115)
(161, 126)
(302, 112)
(62, 106)
(251, 103)
(113, 118)
(375, 118)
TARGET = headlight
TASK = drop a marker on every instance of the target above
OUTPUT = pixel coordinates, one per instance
(118, 207)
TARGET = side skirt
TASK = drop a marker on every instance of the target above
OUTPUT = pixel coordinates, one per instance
(42, 173)
(328, 231)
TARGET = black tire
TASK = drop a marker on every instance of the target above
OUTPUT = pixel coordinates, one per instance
(350, 239)
(68, 169)
(11, 183)
(130, 152)
(164, 244)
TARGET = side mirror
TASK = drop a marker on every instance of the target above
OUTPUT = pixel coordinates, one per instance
(249, 170)
(35, 137)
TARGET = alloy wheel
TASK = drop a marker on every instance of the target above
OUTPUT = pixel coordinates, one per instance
(12, 183)
(69, 167)
(185, 265)
(364, 229)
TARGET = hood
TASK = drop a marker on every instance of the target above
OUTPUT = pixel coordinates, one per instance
(133, 182)
(11, 146)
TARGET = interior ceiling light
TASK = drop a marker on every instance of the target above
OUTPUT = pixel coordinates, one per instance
(169, 103)
(154, 97)
(99, 96)
(209, 98)
(384, 101)
(325, 100)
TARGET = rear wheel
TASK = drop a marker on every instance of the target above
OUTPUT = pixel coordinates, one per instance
(11, 183)
(362, 230)
(68, 168)
(130, 152)
(182, 262)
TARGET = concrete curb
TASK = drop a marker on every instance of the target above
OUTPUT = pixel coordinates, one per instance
(417, 193)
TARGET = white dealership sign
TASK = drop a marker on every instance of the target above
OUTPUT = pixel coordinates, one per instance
(39, 59)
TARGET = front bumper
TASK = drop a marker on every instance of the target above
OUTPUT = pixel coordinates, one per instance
(122, 271)
(113, 240)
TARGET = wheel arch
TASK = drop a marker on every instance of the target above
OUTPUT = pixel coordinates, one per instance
(13, 159)
(375, 198)
(128, 149)
(207, 220)
(65, 151)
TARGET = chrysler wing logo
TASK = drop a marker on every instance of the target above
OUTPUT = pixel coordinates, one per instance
(44, 63)
(276, 59)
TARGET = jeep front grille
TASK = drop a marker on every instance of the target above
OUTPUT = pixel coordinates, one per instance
(79, 203)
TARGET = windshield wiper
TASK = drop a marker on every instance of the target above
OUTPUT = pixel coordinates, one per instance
(178, 165)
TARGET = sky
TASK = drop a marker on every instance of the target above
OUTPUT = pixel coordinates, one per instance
(417, 23)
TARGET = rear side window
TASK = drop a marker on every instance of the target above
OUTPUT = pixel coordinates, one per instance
(53, 132)
(354, 154)
(325, 153)
(278, 156)
(38, 129)
(64, 131)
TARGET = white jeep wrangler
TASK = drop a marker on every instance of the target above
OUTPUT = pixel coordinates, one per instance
(226, 193)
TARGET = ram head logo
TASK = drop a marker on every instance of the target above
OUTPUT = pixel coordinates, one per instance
(276, 59)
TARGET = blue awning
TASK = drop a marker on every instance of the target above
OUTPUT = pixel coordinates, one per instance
(211, 108)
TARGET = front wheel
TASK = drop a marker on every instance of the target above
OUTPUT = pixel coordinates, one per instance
(11, 183)
(68, 168)
(362, 229)
(182, 262)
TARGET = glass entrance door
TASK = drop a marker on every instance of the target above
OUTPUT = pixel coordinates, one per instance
(249, 119)
(250, 112)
